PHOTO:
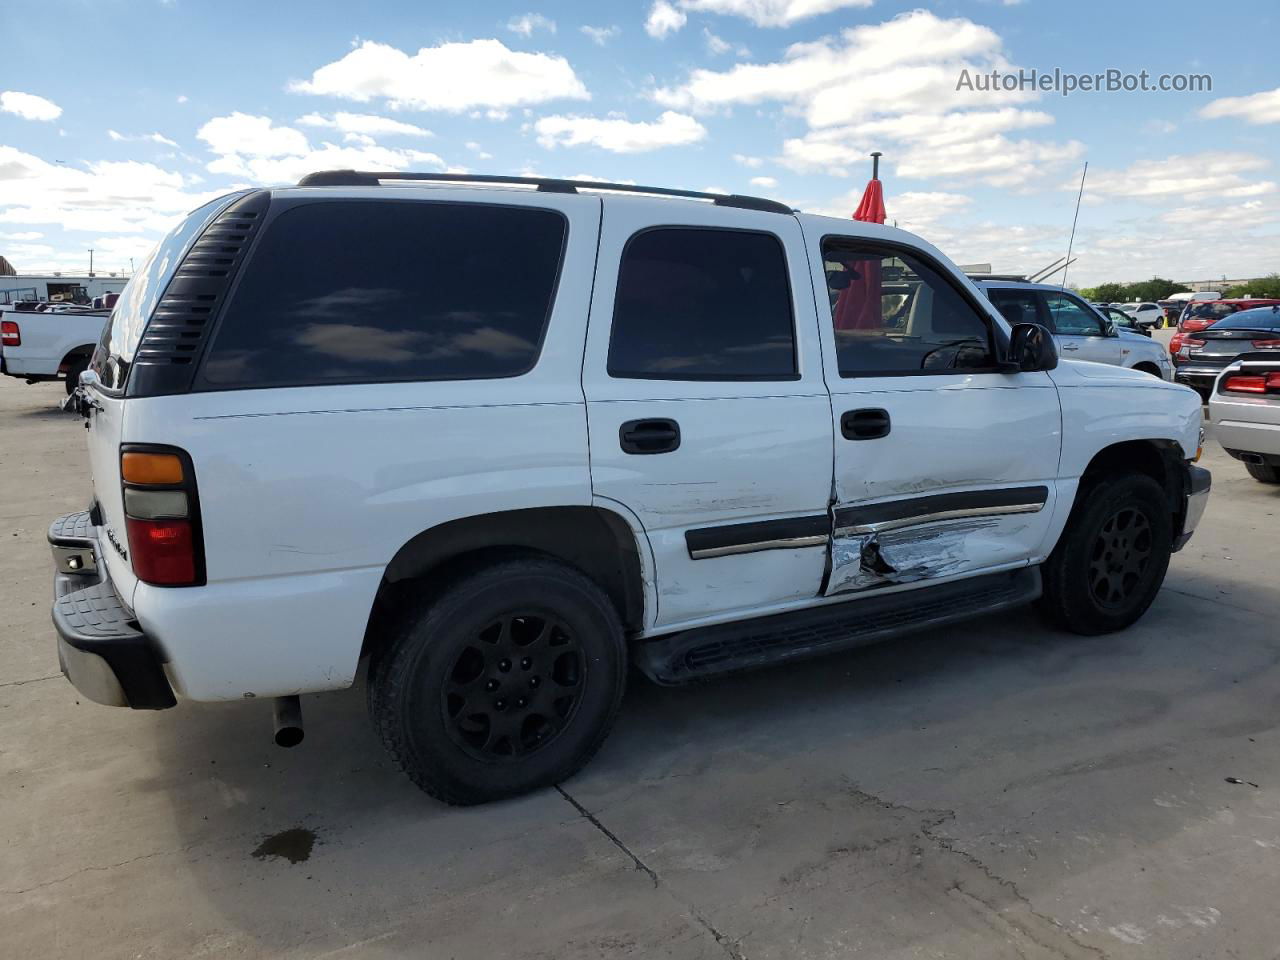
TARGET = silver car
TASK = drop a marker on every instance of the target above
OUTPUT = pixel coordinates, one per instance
(1081, 330)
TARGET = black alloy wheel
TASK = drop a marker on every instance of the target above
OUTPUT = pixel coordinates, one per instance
(1121, 555)
(511, 691)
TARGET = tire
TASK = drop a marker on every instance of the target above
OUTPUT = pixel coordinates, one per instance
(78, 366)
(507, 680)
(1263, 472)
(1110, 561)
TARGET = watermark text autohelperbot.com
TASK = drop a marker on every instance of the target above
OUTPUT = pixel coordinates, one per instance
(1065, 83)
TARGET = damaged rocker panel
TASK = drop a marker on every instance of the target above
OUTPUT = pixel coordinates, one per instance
(903, 541)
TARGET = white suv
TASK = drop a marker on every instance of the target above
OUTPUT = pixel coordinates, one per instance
(504, 437)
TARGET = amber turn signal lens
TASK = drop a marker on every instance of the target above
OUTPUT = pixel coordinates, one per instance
(150, 468)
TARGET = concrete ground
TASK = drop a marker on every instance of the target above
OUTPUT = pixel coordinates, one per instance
(990, 790)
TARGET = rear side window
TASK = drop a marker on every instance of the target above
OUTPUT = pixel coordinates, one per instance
(1016, 306)
(1072, 318)
(698, 304)
(355, 291)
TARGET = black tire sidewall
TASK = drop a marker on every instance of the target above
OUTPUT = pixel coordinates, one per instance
(73, 374)
(1067, 575)
(407, 683)
(1263, 472)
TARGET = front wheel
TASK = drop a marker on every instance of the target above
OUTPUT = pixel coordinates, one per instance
(506, 681)
(1263, 472)
(1112, 558)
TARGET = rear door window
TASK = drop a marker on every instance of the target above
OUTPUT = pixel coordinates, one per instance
(703, 304)
(358, 291)
(1016, 306)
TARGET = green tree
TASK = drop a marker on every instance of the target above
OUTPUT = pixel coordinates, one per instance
(1156, 288)
(1105, 293)
(1268, 287)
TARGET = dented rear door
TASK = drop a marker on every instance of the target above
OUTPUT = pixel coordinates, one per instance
(944, 467)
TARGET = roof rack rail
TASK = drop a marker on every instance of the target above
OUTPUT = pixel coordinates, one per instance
(1015, 277)
(362, 178)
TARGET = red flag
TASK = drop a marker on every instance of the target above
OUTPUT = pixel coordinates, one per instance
(858, 306)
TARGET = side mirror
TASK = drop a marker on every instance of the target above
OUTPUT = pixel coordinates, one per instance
(1110, 329)
(1031, 349)
(89, 378)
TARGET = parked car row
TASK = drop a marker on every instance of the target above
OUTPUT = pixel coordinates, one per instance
(1202, 355)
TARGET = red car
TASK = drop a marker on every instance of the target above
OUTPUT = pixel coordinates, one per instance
(1203, 313)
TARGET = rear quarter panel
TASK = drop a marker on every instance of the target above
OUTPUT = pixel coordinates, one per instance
(306, 493)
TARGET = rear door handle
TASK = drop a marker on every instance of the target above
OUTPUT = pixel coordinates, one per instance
(649, 436)
(869, 423)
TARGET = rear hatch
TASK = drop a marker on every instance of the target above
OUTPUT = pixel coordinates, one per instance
(109, 407)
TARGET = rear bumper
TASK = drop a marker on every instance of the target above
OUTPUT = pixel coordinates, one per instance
(1199, 377)
(101, 648)
(1198, 483)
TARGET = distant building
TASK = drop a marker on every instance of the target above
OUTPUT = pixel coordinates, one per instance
(6, 268)
(71, 288)
(1218, 285)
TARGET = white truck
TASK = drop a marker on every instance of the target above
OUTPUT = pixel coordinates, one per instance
(502, 436)
(49, 344)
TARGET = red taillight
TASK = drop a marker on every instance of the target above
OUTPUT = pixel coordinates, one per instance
(1272, 344)
(10, 334)
(163, 551)
(1253, 383)
(162, 515)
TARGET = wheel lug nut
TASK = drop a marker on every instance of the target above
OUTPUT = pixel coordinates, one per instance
(504, 665)
(533, 682)
(526, 663)
(500, 704)
(491, 686)
(522, 702)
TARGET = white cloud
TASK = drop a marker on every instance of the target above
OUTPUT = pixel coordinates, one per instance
(618, 135)
(717, 45)
(1182, 177)
(772, 13)
(182, 98)
(255, 148)
(452, 77)
(22, 236)
(601, 35)
(1255, 109)
(139, 137)
(905, 65)
(115, 197)
(241, 133)
(29, 106)
(767, 182)
(478, 150)
(752, 162)
(529, 22)
(364, 123)
(663, 19)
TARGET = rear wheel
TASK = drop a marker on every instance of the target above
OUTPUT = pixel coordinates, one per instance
(1263, 472)
(1112, 558)
(507, 681)
(76, 367)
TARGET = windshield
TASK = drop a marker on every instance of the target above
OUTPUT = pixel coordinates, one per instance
(123, 331)
(1262, 318)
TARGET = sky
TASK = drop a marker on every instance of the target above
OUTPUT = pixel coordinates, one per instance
(119, 116)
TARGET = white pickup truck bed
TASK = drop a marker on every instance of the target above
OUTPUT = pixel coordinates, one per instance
(46, 345)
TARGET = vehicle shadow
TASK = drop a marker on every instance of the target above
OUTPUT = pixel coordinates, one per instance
(383, 845)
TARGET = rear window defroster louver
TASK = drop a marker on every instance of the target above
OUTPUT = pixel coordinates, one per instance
(165, 361)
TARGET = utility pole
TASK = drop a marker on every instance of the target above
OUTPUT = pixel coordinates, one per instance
(91, 263)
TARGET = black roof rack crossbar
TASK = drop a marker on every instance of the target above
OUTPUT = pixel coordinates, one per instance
(363, 178)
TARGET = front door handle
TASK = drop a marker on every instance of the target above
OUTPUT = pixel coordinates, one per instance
(649, 436)
(1070, 346)
(869, 423)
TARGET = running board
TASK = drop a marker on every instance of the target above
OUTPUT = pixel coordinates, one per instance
(744, 645)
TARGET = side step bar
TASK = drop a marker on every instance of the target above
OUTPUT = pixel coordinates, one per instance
(732, 647)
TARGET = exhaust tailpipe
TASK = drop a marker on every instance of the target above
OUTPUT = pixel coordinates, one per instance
(1255, 458)
(288, 719)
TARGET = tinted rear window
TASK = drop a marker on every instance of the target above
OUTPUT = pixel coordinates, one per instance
(1262, 318)
(370, 290)
(699, 304)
